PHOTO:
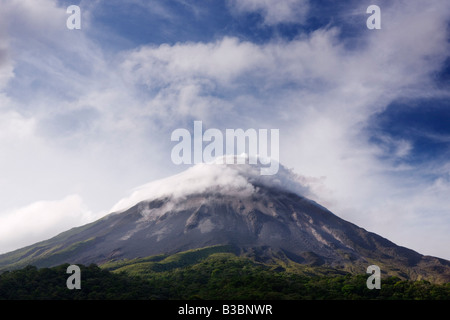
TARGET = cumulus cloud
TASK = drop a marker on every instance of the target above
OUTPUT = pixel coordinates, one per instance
(184, 78)
(201, 79)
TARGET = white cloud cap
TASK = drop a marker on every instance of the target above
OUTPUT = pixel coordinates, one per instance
(217, 176)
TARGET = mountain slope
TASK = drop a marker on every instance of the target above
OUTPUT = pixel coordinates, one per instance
(212, 273)
(260, 220)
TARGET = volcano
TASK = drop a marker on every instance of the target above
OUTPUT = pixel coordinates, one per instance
(213, 204)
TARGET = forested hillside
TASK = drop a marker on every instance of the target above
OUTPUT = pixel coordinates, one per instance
(218, 276)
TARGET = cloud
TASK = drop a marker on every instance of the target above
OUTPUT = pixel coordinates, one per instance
(274, 11)
(322, 73)
(64, 112)
(6, 65)
(226, 179)
(199, 79)
(410, 214)
(41, 220)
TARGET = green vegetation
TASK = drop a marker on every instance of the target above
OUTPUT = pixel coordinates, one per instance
(210, 273)
(163, 262)
(31, 283)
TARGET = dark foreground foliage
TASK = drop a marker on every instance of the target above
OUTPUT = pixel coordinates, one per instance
(31, 283)
(217, 277)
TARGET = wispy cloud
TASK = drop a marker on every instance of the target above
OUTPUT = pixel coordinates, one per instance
(274, 11)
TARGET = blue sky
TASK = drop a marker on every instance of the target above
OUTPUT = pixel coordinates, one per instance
(364, 115)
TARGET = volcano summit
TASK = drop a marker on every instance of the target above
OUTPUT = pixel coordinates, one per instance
(264, 217)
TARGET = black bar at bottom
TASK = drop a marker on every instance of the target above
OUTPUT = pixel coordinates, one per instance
(243, 309)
